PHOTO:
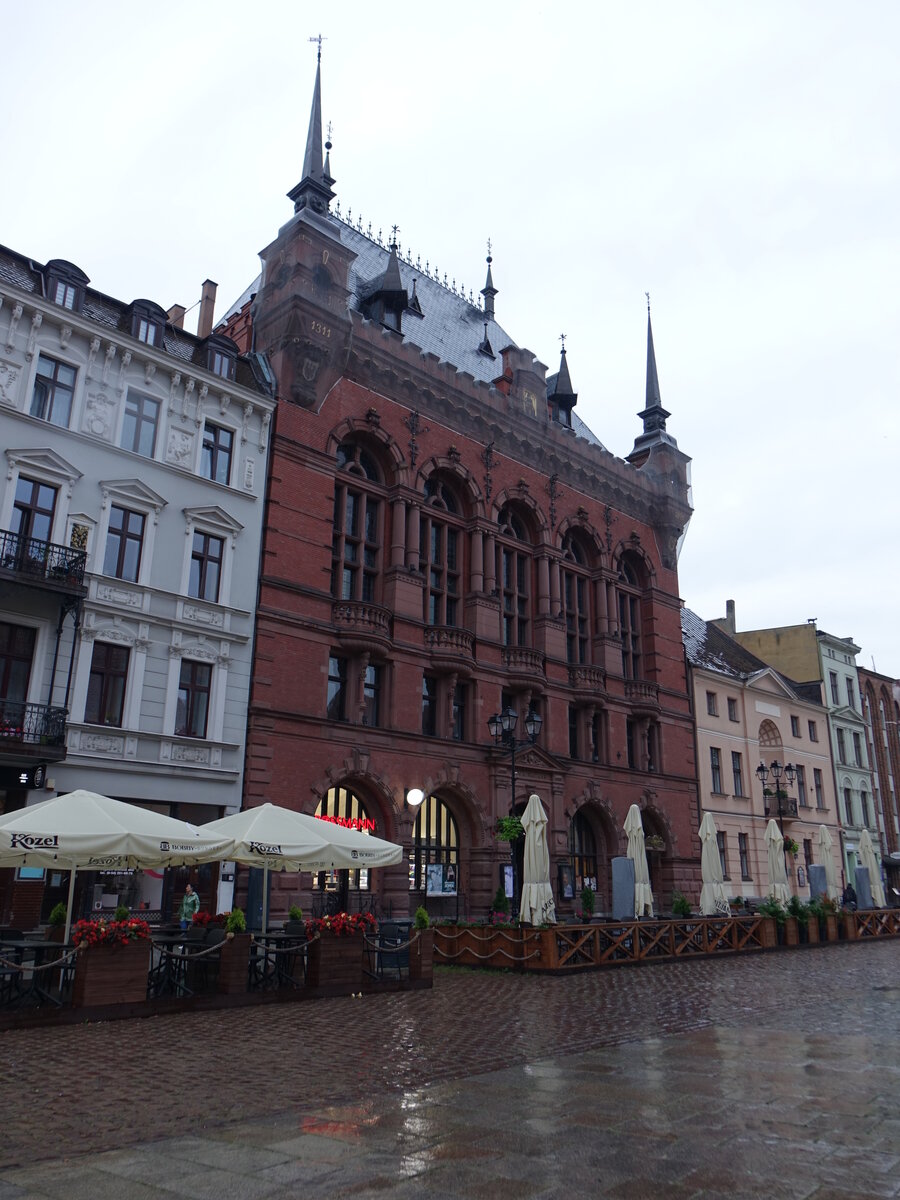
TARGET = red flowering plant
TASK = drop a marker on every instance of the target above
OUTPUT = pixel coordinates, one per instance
(341, 924)
(205, 919)
(110, 933)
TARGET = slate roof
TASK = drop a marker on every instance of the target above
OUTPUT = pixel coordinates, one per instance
(710, 649)
(27, 275)
(450, 326)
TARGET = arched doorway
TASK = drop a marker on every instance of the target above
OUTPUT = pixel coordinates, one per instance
(434, 867)
(344, 890)
(592, 842)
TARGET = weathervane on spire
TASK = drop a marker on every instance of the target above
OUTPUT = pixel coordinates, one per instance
(562, 338)
(489, 251)
(319, 39)
(395, 229)
(647, 294)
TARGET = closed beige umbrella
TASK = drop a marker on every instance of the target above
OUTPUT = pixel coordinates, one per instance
(537, 906)
(712, 895)
(826, 852)
(868, 860)
(778, 884)
(643, 896)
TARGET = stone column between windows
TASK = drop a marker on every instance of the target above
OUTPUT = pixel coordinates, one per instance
(398, 533)
(609, 589)
(555, 605)
(449, 694)
(477, 560)
(412, 538)
(490, 564)
(602, 606)
(362, 665)
(543, 586)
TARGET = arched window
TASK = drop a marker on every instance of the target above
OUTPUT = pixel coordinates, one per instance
(344, 807)
(576, 596)
(632, 580)
(583, 850)
(440, 553)
(357, 534)
(435, 840)
(514, 574)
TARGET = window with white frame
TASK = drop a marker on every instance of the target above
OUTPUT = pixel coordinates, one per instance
(192, 705)
(54, 387)
(207, 567)
(124, 542)
(140, 424)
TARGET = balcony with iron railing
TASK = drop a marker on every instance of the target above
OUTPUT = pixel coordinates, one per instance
(32, 730)
(45, 564)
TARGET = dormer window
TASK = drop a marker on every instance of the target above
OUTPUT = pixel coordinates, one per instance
(148, 322)
(65, 284)
(221, 356)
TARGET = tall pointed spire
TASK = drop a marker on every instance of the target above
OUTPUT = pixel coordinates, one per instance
(314, 189)
(653, 414)
(560, 392)
(489, 291)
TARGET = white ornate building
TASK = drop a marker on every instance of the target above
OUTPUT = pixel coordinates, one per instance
(130, 517)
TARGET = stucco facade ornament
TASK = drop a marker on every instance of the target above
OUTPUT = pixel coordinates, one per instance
(92, 355)
(180, 450)
(14, 319)
(98, 415)
(186, 397)
(245, 424)
(108, 362)
(119, 595)
(36, 321)
(65, 336)
(8, 376)
(202, 616)
(264, 430)
(249, 471)
(149, 372)
(174, 384)
(99, 743)
(124, 364)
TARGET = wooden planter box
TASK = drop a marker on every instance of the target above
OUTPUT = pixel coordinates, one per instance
(831, 928)
(847, 926)
(234, 965)
(791, 931)
(812, 931)
(335, 964)
(421, 958)
(482, 946)
(768, 933)
(111, 975)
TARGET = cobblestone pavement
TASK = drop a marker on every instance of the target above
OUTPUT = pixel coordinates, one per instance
(774, 1075)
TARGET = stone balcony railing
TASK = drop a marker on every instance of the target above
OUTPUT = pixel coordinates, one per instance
(642, 692)
(449, 642)
(357, 621)
(587, 679)
(520, 660)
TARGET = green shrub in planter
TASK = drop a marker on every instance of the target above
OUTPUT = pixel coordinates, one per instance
(421, 920)
(295, 913)
(122, 913)
(587, 902)
(57, 916)
(236, 922)
(501, 902)
(681, 906)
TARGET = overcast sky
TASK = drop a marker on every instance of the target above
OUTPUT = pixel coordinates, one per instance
(737, 161)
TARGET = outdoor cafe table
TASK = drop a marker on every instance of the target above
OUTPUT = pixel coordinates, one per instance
(274, 958)
(171, 953)
(33, 986)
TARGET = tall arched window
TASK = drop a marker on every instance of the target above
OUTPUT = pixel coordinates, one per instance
(435, 840)
(357, 534)
(440, 552)
(514, 561)
(632, 580)
(344, 807)
(576, 595)
(583, 850)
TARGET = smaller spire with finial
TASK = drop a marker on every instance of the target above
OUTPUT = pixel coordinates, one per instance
(489, 291)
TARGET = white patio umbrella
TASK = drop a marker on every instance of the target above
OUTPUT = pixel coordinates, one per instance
(778, 884)
(84, 830)
(643, 896)
(537, 906)
(868, 860)
(712, 893)
(825, 852)
(280, 839)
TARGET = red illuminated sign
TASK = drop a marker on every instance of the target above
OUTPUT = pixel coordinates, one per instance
(363, 824)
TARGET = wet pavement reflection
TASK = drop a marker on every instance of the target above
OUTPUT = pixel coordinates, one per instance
(775, 1075)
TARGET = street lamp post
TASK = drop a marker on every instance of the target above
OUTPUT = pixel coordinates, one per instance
(502, 728)
(777, 770)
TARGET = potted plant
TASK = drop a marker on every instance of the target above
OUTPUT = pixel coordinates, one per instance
(295, 923)
(336, 954)
(56, 923)
(653, 841)
(421, 952)
(122, 913)
(681, 906)
(775, 914)
(587, 904)
(500, 905)
(234, 957)
(113, 962)
(510, 829)
(791, 847)
(799, 912)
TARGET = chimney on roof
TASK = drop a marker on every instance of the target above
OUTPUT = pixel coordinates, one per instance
(175, 315)
(730, 620)
(207, 307)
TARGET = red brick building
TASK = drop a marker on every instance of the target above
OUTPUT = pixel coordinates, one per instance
(881, 709)
(446, 541)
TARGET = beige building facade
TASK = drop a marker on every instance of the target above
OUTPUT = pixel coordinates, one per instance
(747, 713)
